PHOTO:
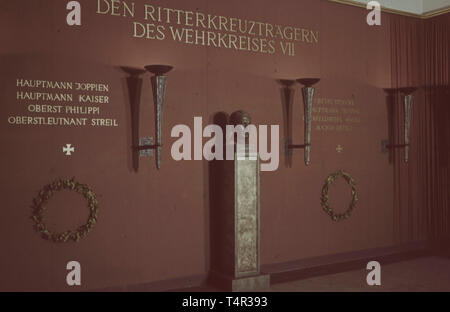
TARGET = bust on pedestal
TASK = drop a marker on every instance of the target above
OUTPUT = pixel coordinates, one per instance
(235, 237)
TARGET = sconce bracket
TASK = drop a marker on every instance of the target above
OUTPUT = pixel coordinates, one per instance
(385, 146)
(298, 146)
(287, 150)
(146, 147)
(289, 147)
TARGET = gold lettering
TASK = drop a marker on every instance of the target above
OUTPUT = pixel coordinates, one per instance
(189, 17)
(99, 11)
(233, 41)
(222, 40)
(260, 27)
(315, 36)
(161, 35)
(200, 20)
(149, 11)
(269, 30)
(189, 35)
(211, 21)
(168, 11)
(178, 12)
(223, 23)
(255, 45)
(278, 31)
(297, 34)
(197, 37)
(305, 34)
(44, 84)
(150, 30)
(289, 34)
(243, 31)
(212, 38)
(252, 25)
(176, 34)
(242, 42)
(233, 24)
(263, 45)
(115, 7)
(127, 8)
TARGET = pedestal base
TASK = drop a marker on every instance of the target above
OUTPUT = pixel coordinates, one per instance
(249, 283)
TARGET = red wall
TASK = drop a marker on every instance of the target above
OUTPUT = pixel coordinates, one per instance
(153, 225)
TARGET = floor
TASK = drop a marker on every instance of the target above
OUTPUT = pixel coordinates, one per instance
(427, 274)
(423, 274)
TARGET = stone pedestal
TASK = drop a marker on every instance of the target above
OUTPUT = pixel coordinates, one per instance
(235, 227)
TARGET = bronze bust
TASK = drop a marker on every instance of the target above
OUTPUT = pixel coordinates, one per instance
(240, 118)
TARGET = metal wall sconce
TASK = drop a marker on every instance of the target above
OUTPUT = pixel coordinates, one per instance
(408, 100)
(159, 83)
(308, 97)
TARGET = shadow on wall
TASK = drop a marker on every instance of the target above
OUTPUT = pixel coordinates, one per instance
(134, 84)
(287, 101)
(221, 119)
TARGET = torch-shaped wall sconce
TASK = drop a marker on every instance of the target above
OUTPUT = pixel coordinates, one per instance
(408, 100)
(308, 97)
(159, 82)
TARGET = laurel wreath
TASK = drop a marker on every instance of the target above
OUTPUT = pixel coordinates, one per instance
(325, 198)
(39, 207)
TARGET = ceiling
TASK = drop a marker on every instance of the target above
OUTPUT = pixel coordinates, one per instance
(417, 8)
